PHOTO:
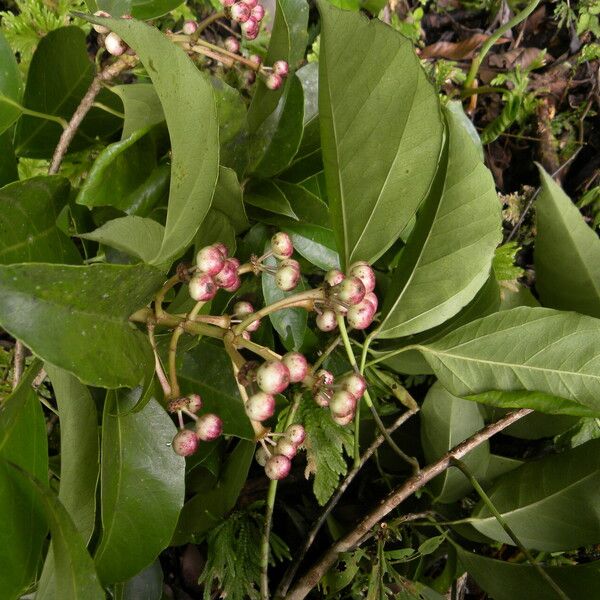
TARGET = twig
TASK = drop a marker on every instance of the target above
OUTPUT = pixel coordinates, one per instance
(82, 110)
(19, 363)
(396, 497)
(310, 538)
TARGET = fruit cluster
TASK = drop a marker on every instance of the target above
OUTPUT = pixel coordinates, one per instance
(341, 397)
(278, 462)
(214, 270)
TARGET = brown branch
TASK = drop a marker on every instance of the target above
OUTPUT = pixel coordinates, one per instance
(363, 529)
(84, 107)
(19, 363)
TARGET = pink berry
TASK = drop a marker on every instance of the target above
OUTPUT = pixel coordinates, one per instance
(372, 299)
(250, 3)
(227, 276)
(280, 67)
(343, 421)
(273, 81)
(209, 260)
(281, 245)
(241, 310)
(209, 427)
(240, 12)
(287, 278)
(351, 290)
(194, 403)
(252, 35)
(360, 316)
(234, 287)
(278, 467)
(222, 248)
(249, 77)
(327, 320)
(114, 44)
(185, 442)
(322, 398)
(257, 60)
(334, 277)
(286, 448)
(342, 403)
(261, 456)
(291, 262)
(232, 44)
(324, 377)
(250, 27)
(202, 287)
(101, 28)
(273, 377)
(296, 434)
(189, 27)
(258, 12)
(297, 366)
(355, 384)
(260, 406)
(365, 273)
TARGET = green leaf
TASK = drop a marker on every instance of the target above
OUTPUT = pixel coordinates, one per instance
(550, 504)
(77, 317)
(216, 227)
(205, 510)
(76, 576)
(150, 9)
(510, 581)
(8, 166)
(141, 105)
(147, 584)
(11, 86)
(445, 422)
(290, 323)
(206, 370)
(268, 196)
(23, 441)
(188, 102)
(567, 253)
(142, 483)
(504, 262)
(430, 545)
(63, 53)
(449, 254)
(137, 236)
(28, 213)
(228, 199)
(381, 131)
(325, 444)
(119, 171)
(533, 349)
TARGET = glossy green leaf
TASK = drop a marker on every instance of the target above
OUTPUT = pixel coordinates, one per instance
(290, 323)
(445, 422)
(216, 227)
(23, 441)
(183, 91)
(206, 370)
(142, 483)
(75, 574)
(63, 53)
(510, 581)
(228, 199)
(205, 510)
(136, 236)
(77, 317)
(567, 253)
(28, 213)
(141, 105)
(8, 166)
(11, 86)
(532, 349)
(150, 9)
(449, 254)
(550, 504)
(268, 196)
(381, 131)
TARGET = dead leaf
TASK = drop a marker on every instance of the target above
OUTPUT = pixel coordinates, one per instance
(457, 50)
(522, 57)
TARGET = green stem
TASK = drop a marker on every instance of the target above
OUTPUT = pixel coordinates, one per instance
(34, 113)
(108, 109)
(493, 39)
(459, 464)
(209, 21)
(264, 556)
(391, 354)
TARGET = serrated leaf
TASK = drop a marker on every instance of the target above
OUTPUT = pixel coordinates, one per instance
(567, 253)
(142, 482)
(532, 349)
(381, 131)
(325, 444)
(77, 317)
(504, 262)
(449, 254)
(11, 86)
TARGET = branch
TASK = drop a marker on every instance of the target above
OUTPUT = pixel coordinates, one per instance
(19, 363)
(397, 496)
(84, 107)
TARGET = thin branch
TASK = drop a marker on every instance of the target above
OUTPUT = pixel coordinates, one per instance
(19, 363)
(84, 107)
(363, 530)
(310, 538)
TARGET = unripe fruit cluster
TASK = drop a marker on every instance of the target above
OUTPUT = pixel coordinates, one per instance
(214, 270)
(352, 295)
(288, 272)
(342, 397)
(278, 463)
(248, 13)
(209, 426)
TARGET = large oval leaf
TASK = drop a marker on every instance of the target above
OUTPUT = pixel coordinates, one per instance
(188, 102)
(141, 105)
(77, 317)
(567, 253)
(28, 213)
(11, 85)
(449, 254)
(550, 504)
(381, 131)
(142, 483)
